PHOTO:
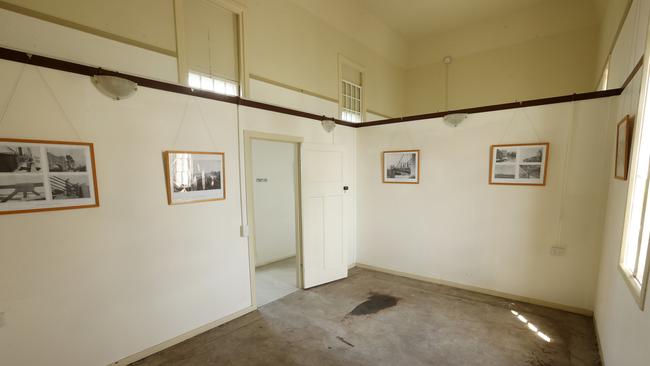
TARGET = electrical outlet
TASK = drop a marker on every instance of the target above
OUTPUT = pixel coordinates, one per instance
(558, 251)
(2, 319)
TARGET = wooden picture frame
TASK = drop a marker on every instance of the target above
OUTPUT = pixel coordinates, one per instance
(624, 131)
(519, 164)
(46, 175)
(194, 176)
(403, 168)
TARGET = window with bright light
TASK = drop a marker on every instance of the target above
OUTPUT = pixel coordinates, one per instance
(351, 98)
(213, 84)
(351, 102)
(210, 45)
(634, 250)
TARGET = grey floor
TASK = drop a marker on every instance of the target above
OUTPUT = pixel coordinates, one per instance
(275, 280)
(373, 318)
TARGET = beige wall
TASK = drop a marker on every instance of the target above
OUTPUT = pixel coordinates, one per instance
(455, 227)
(611, 13)
(623, 329)
(135, 271)
(547, 50)
(290, 45)
(542, 67)
(145, 22)
(284, 42)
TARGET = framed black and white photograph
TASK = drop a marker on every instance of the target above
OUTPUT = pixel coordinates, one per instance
(623, 139)
(402, 166)
(38, 175)
(519, 164)
(194, 176)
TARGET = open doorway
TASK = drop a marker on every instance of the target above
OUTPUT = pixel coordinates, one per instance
(272, 165)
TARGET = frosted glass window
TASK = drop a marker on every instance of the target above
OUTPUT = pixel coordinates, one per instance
(350, 102)
(634, 251)
(213, 84)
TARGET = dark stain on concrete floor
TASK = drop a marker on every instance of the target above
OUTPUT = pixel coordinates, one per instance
(431, 325)
(374, 304)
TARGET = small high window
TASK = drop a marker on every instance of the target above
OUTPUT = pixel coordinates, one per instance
(210, 45)
(351, 98)
(350, 101)
(213, 84)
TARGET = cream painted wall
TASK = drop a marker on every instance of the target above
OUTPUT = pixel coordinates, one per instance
(623, 329)
(456, 227)
(353, 19)
(612, 14)
(129, 276)
(308, 59)
(29, 34)
(274, 200)
(544, 67)
(547, 19)
(134, 272)
(149, 22)
(544, 51)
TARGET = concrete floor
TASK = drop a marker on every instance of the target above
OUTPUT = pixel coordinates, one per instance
(373, 318)
(275, 280)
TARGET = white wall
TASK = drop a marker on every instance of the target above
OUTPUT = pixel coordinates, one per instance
(47, 39)
(623, 329)
(455, 227)
(92, 286)
(274, 200)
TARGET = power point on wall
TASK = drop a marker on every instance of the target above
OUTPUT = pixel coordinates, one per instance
(2, 319)
(558, 251)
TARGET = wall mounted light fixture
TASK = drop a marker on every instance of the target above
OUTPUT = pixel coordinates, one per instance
(454, 119)
(114, 87)
(328, 124)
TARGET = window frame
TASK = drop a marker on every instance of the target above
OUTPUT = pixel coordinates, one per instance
(342, 60)
(638, 286)
(183, 70)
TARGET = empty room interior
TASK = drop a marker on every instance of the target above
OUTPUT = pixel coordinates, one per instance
(324, 182)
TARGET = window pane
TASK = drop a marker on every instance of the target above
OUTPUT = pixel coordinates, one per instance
(206, 83)
(231, 89)
(194, 80)
(643, 255)
(634, 224)
(220, 86)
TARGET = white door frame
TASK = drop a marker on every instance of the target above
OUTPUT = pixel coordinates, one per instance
(249, 136)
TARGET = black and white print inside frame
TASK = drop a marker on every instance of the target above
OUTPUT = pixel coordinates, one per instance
(40, 175)
(519, 164)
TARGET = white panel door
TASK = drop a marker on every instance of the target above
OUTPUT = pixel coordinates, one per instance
(324, 257)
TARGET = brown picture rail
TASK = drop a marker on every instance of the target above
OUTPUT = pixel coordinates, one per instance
(57, 64)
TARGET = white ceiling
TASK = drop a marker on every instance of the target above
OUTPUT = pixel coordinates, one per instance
(414, 19)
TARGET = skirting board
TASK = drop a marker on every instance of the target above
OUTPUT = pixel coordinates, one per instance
(480, 290)
(183, 337)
